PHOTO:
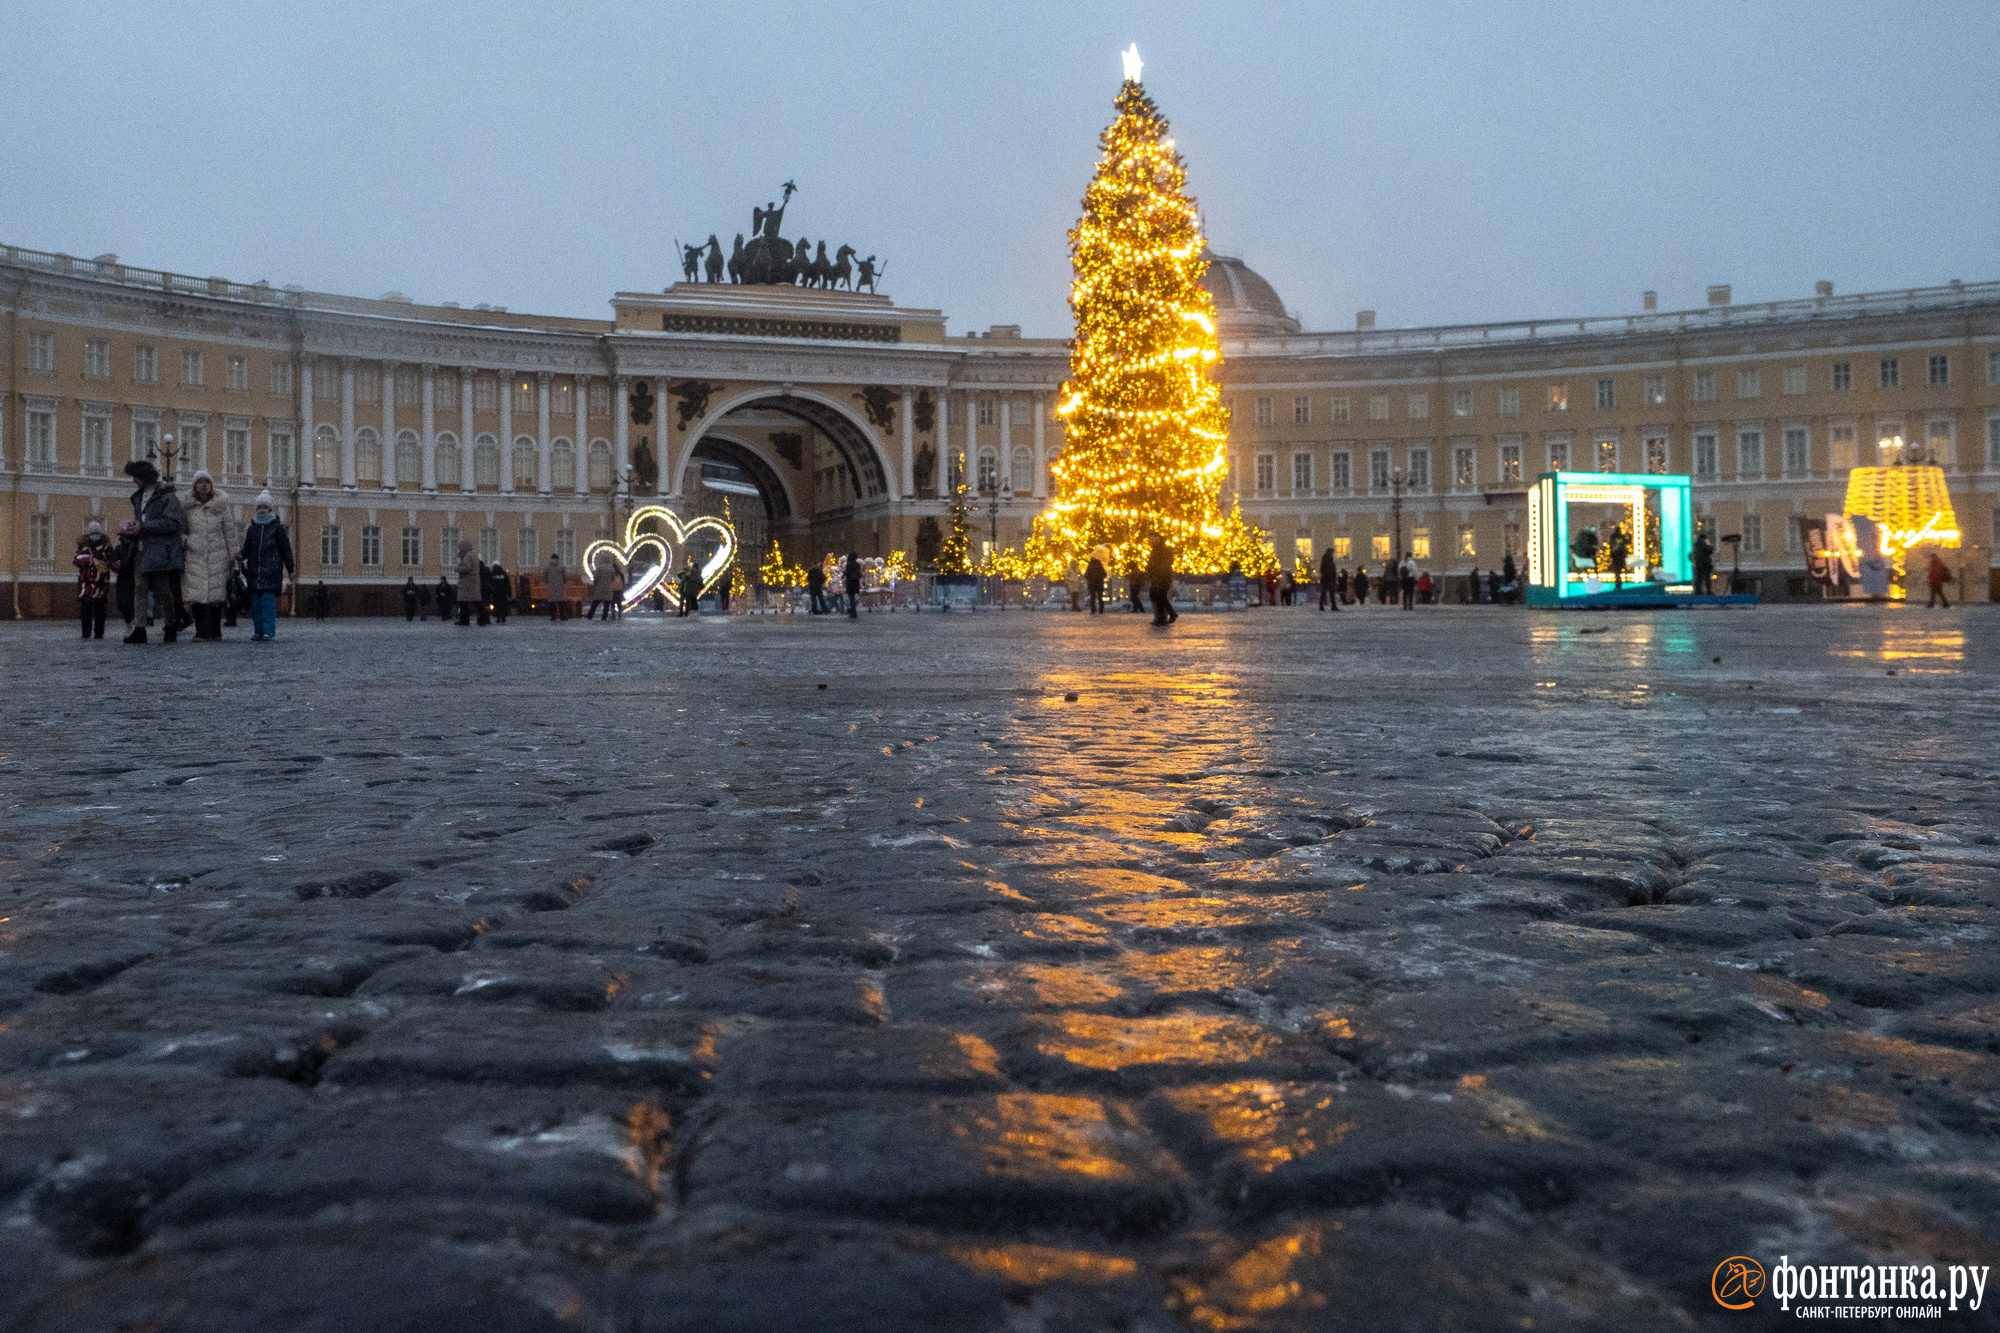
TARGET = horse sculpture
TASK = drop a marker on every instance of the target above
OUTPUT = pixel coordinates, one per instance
(714, 265)
(841, 272)
(766, 258)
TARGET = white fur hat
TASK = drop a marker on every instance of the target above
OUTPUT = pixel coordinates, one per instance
(264, 498)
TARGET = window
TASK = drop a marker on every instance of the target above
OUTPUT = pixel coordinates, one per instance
(1891, 373)
(96, 446)
(529, 546)
(1510, 402)
(145, 437)
(1343, 547)
(445, 390)
(1843, 376)
(986, 411)
(1420, 469)
(600, 399)
(448, 461)
(1265, 416)
(1706, 454)
(41, 439)
(1798, 454)
(489, 545)
(1267, 470)
(1749, 383)
(407, 386)
(1340, 468)
(562, 466)
(485, 392)
(1510, 462)
(1558, 446)
(1656, 390)
(989, 471)
(367, 385)
(145, 364)
(326, 379)
(1302, 473)
(367, 457)
(1461, 402)
(1656, 453)
(1378, 407)
(1939, 439)
(1993, 448)
(1420, 543)
(1993, 367)
(413, 547)
(1342, 411)
(1840, 447)
(1753, 534)
(1419, 406)
(329, 546)
(1607, 455)
(1379, 543)
(1607, 394)
(371, 546)
(236, 452)
(239, 374)
(42, 353)
(1749, 452)
(192, 370)
(448, 539)
(566, 547)
(1795, 381)
(524, 393)
(1467, 544)
(1888, 443)
(600, 465)
(1378, 470)
(409, 459)
(1704, 386)
(96, 359)
(1559, 398)
(283, 463)
(194, 448)
(527, 463)
(1939, 370)
(281, 379)
(41, 536)
(1462, 464)
(1302, 411)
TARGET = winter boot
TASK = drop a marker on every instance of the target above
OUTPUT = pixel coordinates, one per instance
(138, 634)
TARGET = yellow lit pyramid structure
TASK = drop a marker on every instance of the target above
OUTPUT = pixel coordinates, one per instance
(1910, 506)
(1145, 425)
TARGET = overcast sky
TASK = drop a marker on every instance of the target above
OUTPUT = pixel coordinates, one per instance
(1438, 162)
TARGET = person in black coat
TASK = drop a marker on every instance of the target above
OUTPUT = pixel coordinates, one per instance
(413, 597)
(1134, 581)
(1329, 582)
(444, 596)
(850, 579)
(500, 591)
(266, 561)
(1160, 581)
(125, 571)
(321, 601)
(1094, 575)
(816, 589)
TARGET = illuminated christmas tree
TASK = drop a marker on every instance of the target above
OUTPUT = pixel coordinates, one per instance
(1146, 428)
(955, 555)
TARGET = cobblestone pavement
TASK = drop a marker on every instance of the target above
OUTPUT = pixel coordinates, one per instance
(1452, 969)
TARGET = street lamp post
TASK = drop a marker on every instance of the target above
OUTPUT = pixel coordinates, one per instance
(168, 452)
(1396, 510)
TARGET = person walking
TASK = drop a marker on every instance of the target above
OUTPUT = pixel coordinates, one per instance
(1509, 584)
(162, 547)
(469, 593)
(603, 586)
(266, 561)
(1938, 576)
(1134, 581)
(412, 596)
(723, 585)
(93, 578)
(1426, 588)
(1160, 581)
(1329, 582)
(503, 591)
(555, 587)
(816, 590)
(687, 589)
(1093, 579)
(850, 578)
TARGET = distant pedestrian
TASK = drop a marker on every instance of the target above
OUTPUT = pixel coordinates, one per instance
(1938, 575)
(1134, 581)
(659, 602)
(93, 578)
(471, 585)
(816, 590)
(1329, 582)
(412, 598)
(211, 538)
(555, 587)
(724, 584)
(442, 597)
(266, 561)
(125, 571)
(162, 547)
(320, 602)
(687, 589)
(1426, 588)
(603, 586)
(1703, 559)
(1160, 581)
(1361, 584)
(502, 595)
(1093, 579)
(1509, 582)
(1472, 586)
(850, 580)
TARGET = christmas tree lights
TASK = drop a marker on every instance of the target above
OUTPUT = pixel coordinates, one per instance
(1146, 430)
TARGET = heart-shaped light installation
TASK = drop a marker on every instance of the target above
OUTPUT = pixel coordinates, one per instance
(648, 558)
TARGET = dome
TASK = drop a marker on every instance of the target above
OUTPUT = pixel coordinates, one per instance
(1244, 302)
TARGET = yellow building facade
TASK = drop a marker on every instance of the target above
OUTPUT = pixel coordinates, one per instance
(836, 421)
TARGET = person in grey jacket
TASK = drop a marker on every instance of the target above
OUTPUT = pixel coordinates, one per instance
(470, 592)
(162, 548)
(211, 539)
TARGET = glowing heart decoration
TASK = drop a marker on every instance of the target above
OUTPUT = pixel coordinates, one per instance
(649, 558)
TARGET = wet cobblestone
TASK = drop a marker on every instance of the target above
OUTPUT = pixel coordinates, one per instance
(1458, 969)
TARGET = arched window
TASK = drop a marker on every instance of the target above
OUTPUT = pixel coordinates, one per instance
(527, 462)
(562, 466)
(600, 465)
(989, 471)
(409, 459)
(486, 462)
(326, 455)
(367, 457)
(1021, 477)
(447, 459)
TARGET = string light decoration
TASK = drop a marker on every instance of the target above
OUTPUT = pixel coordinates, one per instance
(955, 553)
(656, 541)
(1146, 430)
(775, 573)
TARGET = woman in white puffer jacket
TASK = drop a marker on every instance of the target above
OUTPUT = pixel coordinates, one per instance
(212, 537)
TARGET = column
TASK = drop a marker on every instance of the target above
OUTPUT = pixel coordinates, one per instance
(969, 450)
(621, 429)
(542, 471)
(389, 424)
(909, 448)
(465, 478)
(506, 433)
(943, 439)
(430, 429)
(307, 426)
(663, 450)
(1041, 447)
(581, 389)
(347, 423)
(1004, 474)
